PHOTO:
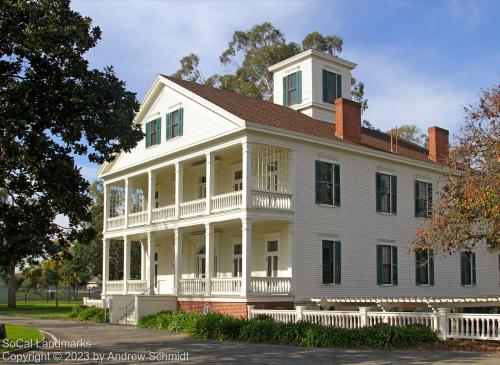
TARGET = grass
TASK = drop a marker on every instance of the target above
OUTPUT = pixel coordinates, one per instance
(39, 309)
(16, 332)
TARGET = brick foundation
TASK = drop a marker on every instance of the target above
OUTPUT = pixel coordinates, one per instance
(235, 309)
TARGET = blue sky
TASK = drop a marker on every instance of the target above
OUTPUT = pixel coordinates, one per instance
(421, 61)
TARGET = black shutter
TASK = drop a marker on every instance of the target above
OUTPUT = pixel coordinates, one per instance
(394, 265)
(378, 179)
(462, 268)
(417, 267)
(327, 262)
(417, 200)
(394, 194)
(473, 267)
(336, 184)
(431, 267)
(338, 264)
(429, 200)
(379, 265)
(338, 86)
(318, 176)
(325, 86)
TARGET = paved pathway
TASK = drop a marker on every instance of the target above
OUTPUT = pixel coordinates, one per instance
(106, 339)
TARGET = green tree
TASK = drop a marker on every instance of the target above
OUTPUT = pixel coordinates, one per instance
(53, 107)
(251, 52)
(31, 278)
(51, 274)
(411, 133)
(467, 211)
(75, 269)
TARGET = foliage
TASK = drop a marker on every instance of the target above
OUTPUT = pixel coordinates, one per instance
(411, 133)
(468, 208)
(38, 309)
(54, 107)
(84, 313)
(18, 332)
(222, 327)
(32, 278)
(251, 52)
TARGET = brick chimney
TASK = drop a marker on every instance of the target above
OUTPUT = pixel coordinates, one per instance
(438, 144)
(348, 120)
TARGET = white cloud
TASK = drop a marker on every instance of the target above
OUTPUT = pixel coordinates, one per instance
(62, 220)
(89, 172)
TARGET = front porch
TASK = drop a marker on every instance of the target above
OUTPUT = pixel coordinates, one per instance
(245, 259)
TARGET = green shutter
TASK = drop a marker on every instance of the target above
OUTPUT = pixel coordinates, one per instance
(379, 265)
(158, 131)
(394, 193)
(298, 80)
(473, 256)
(336, 184)
(394, 265)
(462, 268)
(327, 262)
(417, 201)
(181, 121)
(338, 80)
(318, 176)
(429, 200)
(378, 188)
(418, 262)
(338, 267)
(285, 91)
(431, 267)
(168, 123)
(148, 134)
(325, 86)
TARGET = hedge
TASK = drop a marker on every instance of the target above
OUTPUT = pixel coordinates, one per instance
(265, 330)
(85, 313)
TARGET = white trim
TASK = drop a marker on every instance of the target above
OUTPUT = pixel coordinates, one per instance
(313, 53)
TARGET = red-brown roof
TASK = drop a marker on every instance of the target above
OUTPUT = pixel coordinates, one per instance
(278, 116)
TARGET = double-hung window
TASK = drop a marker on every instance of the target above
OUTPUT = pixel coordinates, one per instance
(272, 258)
(387, 265)
(423, 199)
(292, 89)
(424, 267)
(175, 123)
(468, 268)
(332, 86)
(153, 132)
(237, 260)
(331, 262)
(386, 193)
(327, 183)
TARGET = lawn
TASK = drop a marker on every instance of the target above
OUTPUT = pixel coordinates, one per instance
(39, 309)
(22, 334)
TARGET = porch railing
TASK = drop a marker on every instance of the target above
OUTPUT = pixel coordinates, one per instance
(114, 286)
(225, 286)
(192, 286)
(115, 222)
(136, 286)
(474, 326)
(163, 214)
(271, 285)
(227, 201)
(271, 200)
(138, 219)
(193, 208)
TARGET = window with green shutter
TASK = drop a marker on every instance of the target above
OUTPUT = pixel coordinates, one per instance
(292, 89)
(332, 86)
(174, 123)
(468, 268)
(386, 193)
(423, 199)
(153, 132)
(331, 262)
(387, 265)
(424, 267)
(148, 134)
(327, 177)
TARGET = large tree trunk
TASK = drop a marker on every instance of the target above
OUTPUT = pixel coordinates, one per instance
(12, 285)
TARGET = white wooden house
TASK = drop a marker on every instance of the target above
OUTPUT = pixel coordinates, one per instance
(237, 201)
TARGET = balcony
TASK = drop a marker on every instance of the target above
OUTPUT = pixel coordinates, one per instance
(232, 286)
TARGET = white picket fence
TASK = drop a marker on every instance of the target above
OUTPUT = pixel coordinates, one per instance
(450, 325)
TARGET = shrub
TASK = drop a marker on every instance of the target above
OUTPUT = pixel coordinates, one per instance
(263, 317)
(263, 330)
(84, 313)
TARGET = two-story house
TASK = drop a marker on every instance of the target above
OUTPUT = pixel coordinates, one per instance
(235, 201)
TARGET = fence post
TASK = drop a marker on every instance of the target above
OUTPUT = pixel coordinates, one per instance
(363, 314)
(249, 311)
(300, 312)
(443, 322)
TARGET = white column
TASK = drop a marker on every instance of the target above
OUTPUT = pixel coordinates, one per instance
(363, 312)
(291, 175)
(291, 248)
(151, 263)
(209, 255)
(246, 248)
(178, 259)
(105, 264)
(106, 201)
(209, 180)
(443, 322)
(126, 263)
(127, 200)
(143, 261)
(151, 194)
(247, 174)
(178, 188)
